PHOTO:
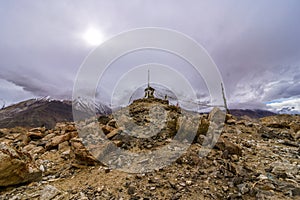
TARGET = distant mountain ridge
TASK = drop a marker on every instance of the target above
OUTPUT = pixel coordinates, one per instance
(44, 112)
(47, 112)
(256, 113)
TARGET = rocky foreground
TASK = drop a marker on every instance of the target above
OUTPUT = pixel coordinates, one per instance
(253, 159)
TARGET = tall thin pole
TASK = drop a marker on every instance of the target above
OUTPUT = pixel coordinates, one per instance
(148, 78)
(224, 99)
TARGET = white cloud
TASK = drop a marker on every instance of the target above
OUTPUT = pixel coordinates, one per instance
(290, 105)
(12, 93)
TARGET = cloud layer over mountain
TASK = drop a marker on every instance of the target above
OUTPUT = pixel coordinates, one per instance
(255, 44)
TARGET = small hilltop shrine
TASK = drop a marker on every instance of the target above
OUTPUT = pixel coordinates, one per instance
(152, 113)
(149, 94)
(139, 109)
(149, 91)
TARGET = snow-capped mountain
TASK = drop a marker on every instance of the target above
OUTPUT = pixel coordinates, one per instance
(45, 112)
(89, 106)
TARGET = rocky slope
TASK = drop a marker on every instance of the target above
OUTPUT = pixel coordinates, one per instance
(251, 160)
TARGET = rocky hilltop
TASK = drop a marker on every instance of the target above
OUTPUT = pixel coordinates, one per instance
(252, 159)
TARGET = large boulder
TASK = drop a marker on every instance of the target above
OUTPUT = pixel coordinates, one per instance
(80, 154)
(16, 167)
(224, 144)
(36, 133)
(55, 141)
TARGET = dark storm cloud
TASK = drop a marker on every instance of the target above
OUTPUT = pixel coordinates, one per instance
(37, 83)
(255, 44)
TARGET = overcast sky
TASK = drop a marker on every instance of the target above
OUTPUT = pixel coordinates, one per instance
(255, 44)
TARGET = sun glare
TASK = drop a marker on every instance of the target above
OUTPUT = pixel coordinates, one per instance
(93, 36)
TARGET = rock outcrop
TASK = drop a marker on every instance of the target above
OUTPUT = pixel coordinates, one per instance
(16, 167)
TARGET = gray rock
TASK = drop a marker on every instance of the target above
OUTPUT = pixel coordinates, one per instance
(281, 168)
(49, 192)
(243, 188)
(131, 190)
(296, 192)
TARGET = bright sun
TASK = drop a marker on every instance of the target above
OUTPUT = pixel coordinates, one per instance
(93, 36)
